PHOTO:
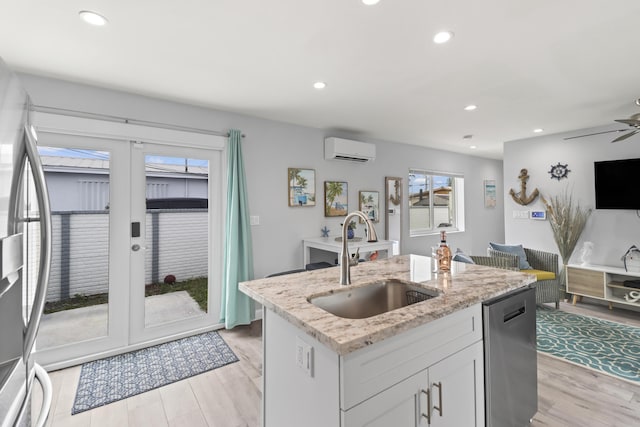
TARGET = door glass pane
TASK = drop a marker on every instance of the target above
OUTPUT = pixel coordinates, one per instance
(176, 238)
(76, 306)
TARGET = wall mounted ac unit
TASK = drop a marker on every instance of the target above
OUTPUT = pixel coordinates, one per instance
(346, 149)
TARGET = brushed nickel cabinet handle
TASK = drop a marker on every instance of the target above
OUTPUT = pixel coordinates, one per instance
(439, 408)
(428, 414)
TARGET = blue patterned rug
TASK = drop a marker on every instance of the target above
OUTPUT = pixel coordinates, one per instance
(608, 347)
(108, 380)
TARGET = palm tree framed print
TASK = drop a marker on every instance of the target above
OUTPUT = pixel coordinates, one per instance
(370, 205)
(335, 198)
(302, 187)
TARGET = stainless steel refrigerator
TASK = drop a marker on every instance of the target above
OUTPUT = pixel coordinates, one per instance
(25, 250)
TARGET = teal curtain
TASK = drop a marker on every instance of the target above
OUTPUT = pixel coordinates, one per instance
(237, 308)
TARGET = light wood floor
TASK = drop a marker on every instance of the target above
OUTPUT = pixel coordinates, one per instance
(569, 395)
(230, 396)
(226, 397)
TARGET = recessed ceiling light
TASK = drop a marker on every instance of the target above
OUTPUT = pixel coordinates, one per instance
(319, 85)
(442, 37)
(638, 102)
(473, 147)
(370, 2)
(470, 107)
(92, 18)
(538, 130)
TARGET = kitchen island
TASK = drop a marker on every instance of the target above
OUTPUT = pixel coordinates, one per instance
(417, 365)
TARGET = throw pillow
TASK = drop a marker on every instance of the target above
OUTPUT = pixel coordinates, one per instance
(513, 249)
(462, 257)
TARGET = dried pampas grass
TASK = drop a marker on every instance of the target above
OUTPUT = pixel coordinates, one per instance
(567, 219)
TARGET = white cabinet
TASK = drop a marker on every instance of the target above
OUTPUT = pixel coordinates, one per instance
(432, 375)
(457, 389)
(449, 393)
(601, 282)
(398, 406)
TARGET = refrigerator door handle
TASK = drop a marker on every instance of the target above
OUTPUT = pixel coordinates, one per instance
(45, 383)
(45, 239)
(10, 261)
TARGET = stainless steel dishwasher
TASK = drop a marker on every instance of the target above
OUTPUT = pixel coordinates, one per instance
(510, 359)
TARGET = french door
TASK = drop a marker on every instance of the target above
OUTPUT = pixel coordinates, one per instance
(175, 282)
(136, 235)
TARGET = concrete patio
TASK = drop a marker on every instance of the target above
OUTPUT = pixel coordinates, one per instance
(69, 326)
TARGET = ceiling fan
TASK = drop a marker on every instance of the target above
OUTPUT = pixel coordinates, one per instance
(633, 121)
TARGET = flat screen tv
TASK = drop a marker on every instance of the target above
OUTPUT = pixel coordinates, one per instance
(617, 184)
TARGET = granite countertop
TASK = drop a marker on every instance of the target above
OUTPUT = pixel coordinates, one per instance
(464, 286)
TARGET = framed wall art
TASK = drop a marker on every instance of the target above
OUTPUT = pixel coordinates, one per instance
(489, 193)
(302, 187)
(335, 198)
(370, 205)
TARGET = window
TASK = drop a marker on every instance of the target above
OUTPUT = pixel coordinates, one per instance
(436, 202)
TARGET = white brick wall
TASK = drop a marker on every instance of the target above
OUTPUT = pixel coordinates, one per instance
(88, 257)
(183, 245)
(182, 250)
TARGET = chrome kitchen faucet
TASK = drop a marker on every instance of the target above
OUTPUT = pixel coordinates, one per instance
(345, 258)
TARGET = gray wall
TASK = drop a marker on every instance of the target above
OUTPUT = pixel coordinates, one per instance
(611, 231)
(271, 147)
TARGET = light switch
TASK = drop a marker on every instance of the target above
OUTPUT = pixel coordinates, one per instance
(254, 220)
(521, 214)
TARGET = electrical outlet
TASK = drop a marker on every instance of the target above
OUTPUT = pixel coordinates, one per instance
(299, 355)
(304, 356)
(254, 220)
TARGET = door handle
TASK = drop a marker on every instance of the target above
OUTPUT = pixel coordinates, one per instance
(136, 247)
(135, 229)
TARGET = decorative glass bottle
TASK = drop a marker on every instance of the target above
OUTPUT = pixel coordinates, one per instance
(444, 254)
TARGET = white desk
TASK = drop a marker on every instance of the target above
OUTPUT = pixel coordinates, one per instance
(330, 244)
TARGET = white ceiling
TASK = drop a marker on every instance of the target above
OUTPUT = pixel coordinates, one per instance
(557, 65)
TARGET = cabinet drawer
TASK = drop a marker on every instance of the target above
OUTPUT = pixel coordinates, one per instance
(372, 369)
(585, 282)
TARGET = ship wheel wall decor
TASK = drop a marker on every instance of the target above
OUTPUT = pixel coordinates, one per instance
(521, 198)
(559, 171)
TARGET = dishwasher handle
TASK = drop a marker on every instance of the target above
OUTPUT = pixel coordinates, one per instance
(512, 313)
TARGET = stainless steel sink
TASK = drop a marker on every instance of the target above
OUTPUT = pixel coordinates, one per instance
(372, 299)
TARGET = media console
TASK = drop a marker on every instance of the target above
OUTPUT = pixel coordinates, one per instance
(601, 282)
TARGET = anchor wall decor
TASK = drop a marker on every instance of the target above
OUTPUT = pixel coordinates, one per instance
(521, 198)
(396, 199)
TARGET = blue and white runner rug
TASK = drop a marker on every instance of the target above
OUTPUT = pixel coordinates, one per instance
(608, 347)
(108, 380)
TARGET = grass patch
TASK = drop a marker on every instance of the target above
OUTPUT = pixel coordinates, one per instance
(77, 301)
(196, 288)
